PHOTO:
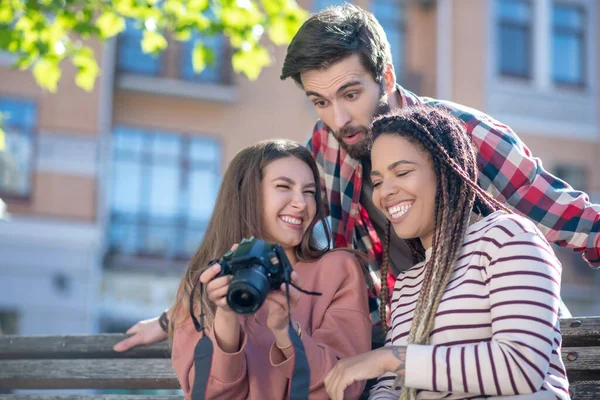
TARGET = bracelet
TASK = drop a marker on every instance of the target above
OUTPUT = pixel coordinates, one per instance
(298, 331)
(163, 321)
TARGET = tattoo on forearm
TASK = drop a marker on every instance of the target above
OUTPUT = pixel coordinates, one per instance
(400, 353)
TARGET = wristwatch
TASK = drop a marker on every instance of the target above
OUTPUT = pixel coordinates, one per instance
(163, 321)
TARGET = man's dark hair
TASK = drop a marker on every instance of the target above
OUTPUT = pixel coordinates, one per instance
(334, 34)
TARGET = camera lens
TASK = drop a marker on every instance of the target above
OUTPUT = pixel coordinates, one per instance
(248, 290)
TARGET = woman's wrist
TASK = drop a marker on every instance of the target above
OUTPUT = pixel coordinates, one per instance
(227, 331)
(282, 336)
(394, 359)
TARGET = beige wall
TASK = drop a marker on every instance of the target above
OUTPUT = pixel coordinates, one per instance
(420, 57)
(469, 38)
(58, 196)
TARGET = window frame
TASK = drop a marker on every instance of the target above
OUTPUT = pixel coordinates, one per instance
(529, 30)
(32, 135)
(142, 220)
(582, 35)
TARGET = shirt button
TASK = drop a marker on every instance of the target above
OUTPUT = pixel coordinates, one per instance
(353, 211)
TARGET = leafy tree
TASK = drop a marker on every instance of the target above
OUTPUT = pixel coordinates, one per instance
(44, 33)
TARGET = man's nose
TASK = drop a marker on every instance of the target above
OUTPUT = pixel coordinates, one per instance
(341, 117)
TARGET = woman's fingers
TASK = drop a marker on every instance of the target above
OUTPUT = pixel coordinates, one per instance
(210, 273)
(217, 292)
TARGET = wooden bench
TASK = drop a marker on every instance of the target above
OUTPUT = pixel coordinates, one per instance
(88, 362)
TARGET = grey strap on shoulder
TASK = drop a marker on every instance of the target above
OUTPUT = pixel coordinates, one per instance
(300, 381)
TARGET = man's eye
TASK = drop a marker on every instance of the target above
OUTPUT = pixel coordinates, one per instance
(352, 95)
(319, 103)
(375, 184)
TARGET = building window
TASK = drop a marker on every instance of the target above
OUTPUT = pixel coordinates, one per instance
(18, 122)
(568, 44)
(212, 73)
(131, 58)
(390, 14)
(514, 38)
(163, 188)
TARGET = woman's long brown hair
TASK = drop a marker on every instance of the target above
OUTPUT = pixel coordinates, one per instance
(238, 214)
(445, 140)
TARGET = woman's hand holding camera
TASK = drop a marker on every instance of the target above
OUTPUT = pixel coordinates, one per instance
(226, 324)
(278, 318)
(216, 288)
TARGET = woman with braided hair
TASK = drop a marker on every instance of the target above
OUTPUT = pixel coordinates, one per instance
(477, 315)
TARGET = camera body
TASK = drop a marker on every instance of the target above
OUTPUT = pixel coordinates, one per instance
(257, 267)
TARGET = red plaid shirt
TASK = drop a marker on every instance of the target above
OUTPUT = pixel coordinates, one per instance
(508, 171)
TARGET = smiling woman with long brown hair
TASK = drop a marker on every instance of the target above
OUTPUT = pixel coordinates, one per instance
(270, 191)
(477, 316)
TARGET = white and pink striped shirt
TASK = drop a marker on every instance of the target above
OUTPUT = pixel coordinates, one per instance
(496, 333)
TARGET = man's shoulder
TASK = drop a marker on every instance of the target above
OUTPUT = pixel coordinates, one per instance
(461, 111)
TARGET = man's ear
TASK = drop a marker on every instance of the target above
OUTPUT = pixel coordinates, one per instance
(389, 79)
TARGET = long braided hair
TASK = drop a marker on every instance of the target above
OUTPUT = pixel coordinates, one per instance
(445, 140)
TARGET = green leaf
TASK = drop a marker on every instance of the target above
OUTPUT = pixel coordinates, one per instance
(6, 14)
(196, 6)
(183, 35)
(279, 32)
(47, 73)
(87, 68)
(251, 62)
(110, 24)
(153, 42)
(201, 57)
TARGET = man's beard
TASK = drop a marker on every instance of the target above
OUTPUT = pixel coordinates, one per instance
(360, 151)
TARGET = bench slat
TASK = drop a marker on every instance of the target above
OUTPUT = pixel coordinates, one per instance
(578, 332)
(587, 390)
(88, 374)
(87, 397)
(582, 363)
(73, 347)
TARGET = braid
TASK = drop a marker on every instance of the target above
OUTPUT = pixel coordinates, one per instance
(457, 196)
(384, 293)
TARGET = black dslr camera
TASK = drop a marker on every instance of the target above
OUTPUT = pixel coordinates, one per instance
(257, 268)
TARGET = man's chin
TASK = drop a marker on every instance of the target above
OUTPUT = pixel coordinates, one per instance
(358, 151)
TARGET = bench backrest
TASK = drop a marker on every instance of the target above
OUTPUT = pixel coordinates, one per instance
(88, 362)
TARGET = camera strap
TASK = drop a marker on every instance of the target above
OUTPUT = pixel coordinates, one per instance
(300, 380)
(203, 352)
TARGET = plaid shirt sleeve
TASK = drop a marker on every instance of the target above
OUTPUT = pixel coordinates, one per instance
(510, 173)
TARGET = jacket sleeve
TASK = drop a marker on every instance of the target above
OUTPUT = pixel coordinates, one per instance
(509, 171)
(343, 330)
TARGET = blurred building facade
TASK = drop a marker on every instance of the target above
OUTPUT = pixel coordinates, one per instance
(110, 191)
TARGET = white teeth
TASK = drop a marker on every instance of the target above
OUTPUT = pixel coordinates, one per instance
(398, 211)
(290, 220)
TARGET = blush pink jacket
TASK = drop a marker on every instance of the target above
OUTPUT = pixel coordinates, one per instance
(334, 326)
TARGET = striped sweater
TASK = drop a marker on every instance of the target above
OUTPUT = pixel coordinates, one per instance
(496, 333)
